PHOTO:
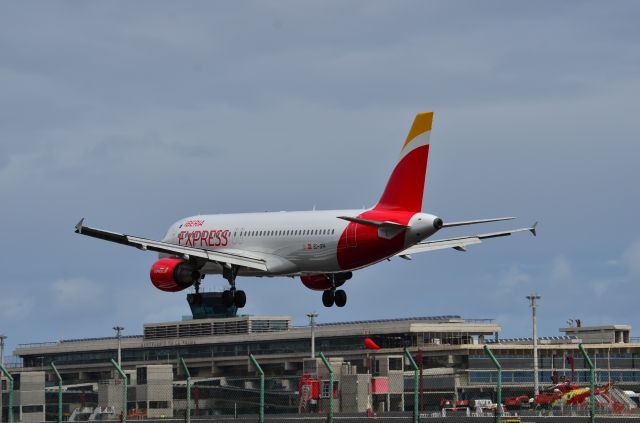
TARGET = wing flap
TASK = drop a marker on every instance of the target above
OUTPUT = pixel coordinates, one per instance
(234, 257)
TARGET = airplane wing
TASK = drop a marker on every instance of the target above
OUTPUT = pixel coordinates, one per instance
(227, 257)
(459, 243)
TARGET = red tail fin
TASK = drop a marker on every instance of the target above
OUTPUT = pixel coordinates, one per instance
(406, 184)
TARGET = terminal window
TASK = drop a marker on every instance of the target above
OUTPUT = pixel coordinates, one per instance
(158, 404)
(141, 375)
(395, 363)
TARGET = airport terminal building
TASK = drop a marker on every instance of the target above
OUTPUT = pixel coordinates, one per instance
(448, 349)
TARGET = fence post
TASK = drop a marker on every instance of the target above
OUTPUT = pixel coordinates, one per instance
(10, 405)
(592, 394)
(499, 384)
(59, 378)
(259, 369)
(125, 409)
(188, 409)
(415, 368)
(330, 369)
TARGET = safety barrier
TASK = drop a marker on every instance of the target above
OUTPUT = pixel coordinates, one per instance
(324, 388)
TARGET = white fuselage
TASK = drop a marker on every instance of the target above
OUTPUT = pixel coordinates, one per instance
(293, 242)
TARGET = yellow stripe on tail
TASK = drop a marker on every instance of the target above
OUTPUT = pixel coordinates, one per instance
(421, 124)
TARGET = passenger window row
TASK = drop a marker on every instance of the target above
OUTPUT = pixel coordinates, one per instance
(289, 232)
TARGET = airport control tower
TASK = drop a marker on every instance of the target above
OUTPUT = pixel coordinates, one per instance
(209, 305)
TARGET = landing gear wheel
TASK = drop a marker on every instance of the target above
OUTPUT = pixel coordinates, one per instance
(227, 298)
(232, 297)
(240, 299)
(340, 298)
(196, 299)
(328, 298)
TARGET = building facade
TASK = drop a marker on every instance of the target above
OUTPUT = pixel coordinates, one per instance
(449, 350)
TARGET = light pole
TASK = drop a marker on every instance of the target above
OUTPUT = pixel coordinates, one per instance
(312, 323)
(533, 298)
(119, 330)
(2, 338)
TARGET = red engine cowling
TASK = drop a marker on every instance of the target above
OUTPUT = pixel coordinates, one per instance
(322, 282)
(173, 275)
(316, 282)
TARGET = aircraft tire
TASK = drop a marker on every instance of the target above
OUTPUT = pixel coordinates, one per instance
(240, 299)
(328, 298)
(340, 298)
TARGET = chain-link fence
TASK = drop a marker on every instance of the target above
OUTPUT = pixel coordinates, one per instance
(320, 391)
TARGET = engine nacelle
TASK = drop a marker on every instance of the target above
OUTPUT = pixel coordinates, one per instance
(322, 282)
(173, 275)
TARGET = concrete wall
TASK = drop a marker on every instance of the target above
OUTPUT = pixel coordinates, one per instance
(31, 396)
(110, 395)
(355, 393)
(158, 391)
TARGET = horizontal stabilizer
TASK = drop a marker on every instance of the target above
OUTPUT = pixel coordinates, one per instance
(475, 222)
(375, 223)
(386, 229)
(461, 243)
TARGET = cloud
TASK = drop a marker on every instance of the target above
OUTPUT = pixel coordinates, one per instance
(137, 119)
(4, 158)
(561, 270)
(513, 279)
(601, 288)
(631, 258)
(16, 307)
(79, 295)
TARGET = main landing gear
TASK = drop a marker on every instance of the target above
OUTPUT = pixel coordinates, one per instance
(197, 299)
(332, 296)
(231, 297)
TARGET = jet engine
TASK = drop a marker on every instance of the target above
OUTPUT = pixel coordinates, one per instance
(173, 275)
(322, 282)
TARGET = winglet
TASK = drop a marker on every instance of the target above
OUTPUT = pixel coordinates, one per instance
(532, 229)
(79, 226)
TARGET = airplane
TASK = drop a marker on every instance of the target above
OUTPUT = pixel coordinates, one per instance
(322, 248)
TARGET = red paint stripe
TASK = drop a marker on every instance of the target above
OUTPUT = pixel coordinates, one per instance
(405, 187)
(368, 248)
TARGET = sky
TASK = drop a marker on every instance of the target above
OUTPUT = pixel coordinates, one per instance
(134, 115)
